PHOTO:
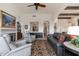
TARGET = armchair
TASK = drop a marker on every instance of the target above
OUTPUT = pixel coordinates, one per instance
(28, 37)
(9, 49)
(20, 51)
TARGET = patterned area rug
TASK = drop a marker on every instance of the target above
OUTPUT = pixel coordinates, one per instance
(42, 48)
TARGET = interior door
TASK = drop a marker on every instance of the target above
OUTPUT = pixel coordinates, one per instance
(46, 28)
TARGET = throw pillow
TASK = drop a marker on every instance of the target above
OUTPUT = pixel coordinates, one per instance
(61, 39)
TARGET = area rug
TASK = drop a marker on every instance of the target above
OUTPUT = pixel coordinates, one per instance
(42, 48)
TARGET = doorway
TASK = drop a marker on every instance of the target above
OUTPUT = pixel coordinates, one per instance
(46, 28)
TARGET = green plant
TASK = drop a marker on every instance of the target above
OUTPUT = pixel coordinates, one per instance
(77, 41)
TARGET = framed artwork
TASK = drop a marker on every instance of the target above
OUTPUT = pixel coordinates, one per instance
(26, 26)
(8, 21)
(34, 26)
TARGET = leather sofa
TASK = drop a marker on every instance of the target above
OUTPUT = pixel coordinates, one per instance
(53, 40)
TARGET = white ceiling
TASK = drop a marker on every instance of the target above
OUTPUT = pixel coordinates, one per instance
(50, 8)
(21, 8)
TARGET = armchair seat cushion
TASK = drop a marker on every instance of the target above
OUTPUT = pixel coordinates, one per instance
(12, 46)
(33, 37)
(19, 43)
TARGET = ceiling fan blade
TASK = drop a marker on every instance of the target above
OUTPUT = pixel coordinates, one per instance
(41, 5)
(37, 5)
(30, 5)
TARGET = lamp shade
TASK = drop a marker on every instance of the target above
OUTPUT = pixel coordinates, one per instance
(73, 30)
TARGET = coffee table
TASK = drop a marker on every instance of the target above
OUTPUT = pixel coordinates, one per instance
(71, 48)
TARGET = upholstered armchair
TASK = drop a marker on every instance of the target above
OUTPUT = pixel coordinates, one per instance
(28, 37)
(20, 51)
(8, 48)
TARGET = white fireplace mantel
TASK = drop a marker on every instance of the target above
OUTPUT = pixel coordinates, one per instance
(7, 31)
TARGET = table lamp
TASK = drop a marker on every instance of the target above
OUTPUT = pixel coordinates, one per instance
(74, 30)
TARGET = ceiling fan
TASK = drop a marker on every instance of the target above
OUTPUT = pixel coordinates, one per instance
(37, 5)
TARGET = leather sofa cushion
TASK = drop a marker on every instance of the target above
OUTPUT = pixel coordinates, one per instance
(56, 35)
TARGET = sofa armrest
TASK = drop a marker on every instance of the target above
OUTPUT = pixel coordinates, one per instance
(21, 51)
(59, 49)
(55, 44)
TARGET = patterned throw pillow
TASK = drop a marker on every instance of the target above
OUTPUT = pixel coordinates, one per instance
(72, 37)
(61, 39)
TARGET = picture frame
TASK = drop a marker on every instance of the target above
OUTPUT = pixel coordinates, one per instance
(34, 26)
(7, 20)
(26, 26)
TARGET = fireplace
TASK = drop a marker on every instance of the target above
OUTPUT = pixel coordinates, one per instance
(10, 31)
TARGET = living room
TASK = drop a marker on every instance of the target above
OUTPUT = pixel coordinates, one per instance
(32, 29)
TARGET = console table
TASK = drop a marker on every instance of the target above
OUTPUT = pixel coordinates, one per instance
(37, 34)
(70, 49)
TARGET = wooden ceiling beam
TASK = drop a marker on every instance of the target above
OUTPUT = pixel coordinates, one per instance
(69, 14)
(72, 8)
(64, 17)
